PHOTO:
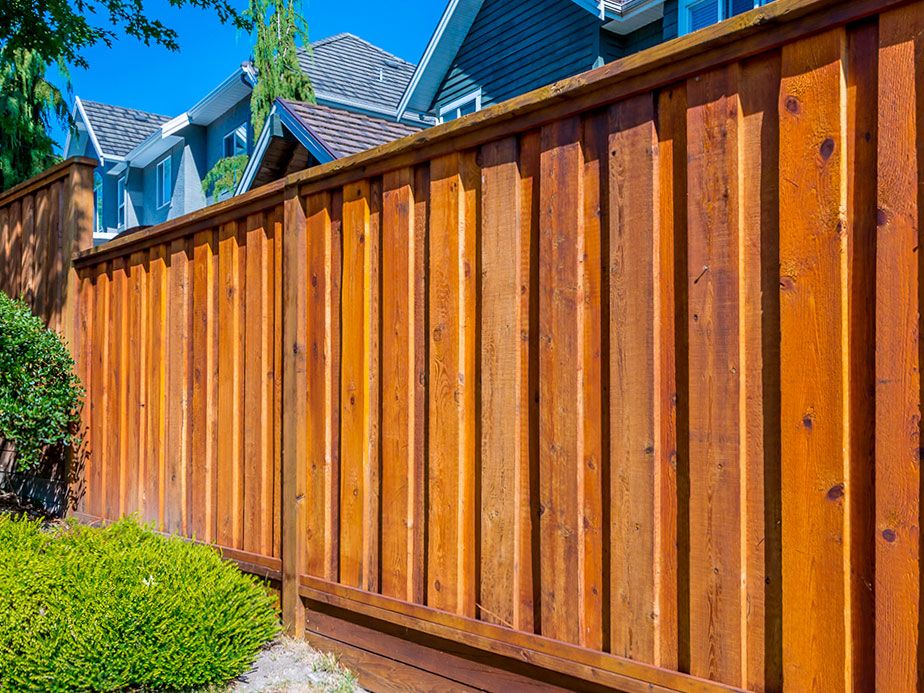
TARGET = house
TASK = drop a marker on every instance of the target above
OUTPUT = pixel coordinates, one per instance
(487, 51)
(152, 166)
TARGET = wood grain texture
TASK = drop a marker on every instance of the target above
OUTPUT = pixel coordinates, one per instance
(898, 351)
(451, 466)
(401, 482)
(758, 165)
(635, 447)
(176, 395)
(815, 484)
(323, 483)
(356, 495)
(561, 334)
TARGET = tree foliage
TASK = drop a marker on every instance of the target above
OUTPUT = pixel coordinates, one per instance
(28, 101)
(278, 29)
(225, 175)
(59, 30)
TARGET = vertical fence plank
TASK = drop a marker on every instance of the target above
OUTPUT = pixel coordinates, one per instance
(84, 330)
(257, 469)
(898, 355)
(203, 413)
(278, 221)
(636, 449)
(98, 396)
(718, 602)
(451, 573)
(561, 333)
(400, 483)
(134, 398)
(40, 270)
(6, 253)
(27, 283)
(355, 495)
(295, 451)
(15, 256)
(321, 302)
(594, 376)
(862, 145)
(115, 372)
(815, 426)
(758, 161)
(176, 393)
(52, 261)
(505, 520)
(157, 305)
(230, 327)
(671, 375)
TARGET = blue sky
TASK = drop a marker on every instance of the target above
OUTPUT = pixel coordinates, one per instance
(156, 80)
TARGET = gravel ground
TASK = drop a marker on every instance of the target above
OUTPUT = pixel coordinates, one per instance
(293, 666)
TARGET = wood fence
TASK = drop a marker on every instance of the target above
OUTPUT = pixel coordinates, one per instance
(612, 386)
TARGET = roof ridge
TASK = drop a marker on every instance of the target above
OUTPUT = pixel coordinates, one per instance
(124, 108)
(346, 34)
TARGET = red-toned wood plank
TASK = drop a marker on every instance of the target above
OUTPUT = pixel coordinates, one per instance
(153, 500)
(277, 221)
(323, 484)
(898, 351)
(115, 372)
(99, 394)
(717, 474)
(815, 484)
(176, 414)
(399, 409)
(453, 204)
(356, 422)
(230, 386)
(27, 281)
(670, 363)
(40, 269)
(561, 355)
(637, 463)
(758, 143)
(136, 420)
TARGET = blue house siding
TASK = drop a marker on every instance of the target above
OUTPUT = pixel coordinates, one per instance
(613, 46)
(671, 21)
(236, 116)
(515, 47)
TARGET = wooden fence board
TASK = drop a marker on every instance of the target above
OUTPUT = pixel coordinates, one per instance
(898, 356)
(176, 361)
(815, 426)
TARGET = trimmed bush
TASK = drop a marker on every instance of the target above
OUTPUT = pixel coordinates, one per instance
(39, 393)
(87, 609)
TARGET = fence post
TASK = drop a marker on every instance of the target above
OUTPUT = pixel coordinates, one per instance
(294, 409)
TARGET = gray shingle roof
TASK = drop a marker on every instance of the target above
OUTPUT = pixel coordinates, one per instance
(345, 66)
(118, 129)
(346, 132)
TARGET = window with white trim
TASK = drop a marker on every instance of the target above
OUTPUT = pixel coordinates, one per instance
(235, 142)
(164, 182)
(698, 14)
(120, 196)
(97, 203)
(468, 104)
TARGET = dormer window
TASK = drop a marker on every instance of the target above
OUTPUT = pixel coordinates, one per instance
(468, 104)
(698, 14)
(235, 142)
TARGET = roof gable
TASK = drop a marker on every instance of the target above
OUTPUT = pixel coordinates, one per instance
(119, 130)
(344, 68)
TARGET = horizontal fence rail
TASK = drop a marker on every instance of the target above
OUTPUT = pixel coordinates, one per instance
(613, 386)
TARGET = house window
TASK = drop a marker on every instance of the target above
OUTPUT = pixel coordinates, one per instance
(235, 142)
(470, 103)
(97, 203)
(697, 14)
(164, 182)
(120, 196)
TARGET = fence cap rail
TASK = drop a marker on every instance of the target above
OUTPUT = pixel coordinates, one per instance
(45, 178)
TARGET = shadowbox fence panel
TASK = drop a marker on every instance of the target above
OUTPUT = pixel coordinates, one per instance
(613, 385)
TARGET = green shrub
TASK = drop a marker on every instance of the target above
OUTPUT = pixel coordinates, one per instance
(39, 393)
(87, 609)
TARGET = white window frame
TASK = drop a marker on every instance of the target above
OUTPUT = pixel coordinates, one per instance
(163, 181)
(121, 192)
(686, 7)
(459, 103)
(240, 130)
(97, 203)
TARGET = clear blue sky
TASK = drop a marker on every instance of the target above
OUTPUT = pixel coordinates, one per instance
(156, 80)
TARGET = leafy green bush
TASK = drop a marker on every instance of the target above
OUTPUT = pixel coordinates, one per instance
(87, 609)
(39, 393)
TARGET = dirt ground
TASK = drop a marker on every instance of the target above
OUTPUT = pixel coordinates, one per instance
(293, 666)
